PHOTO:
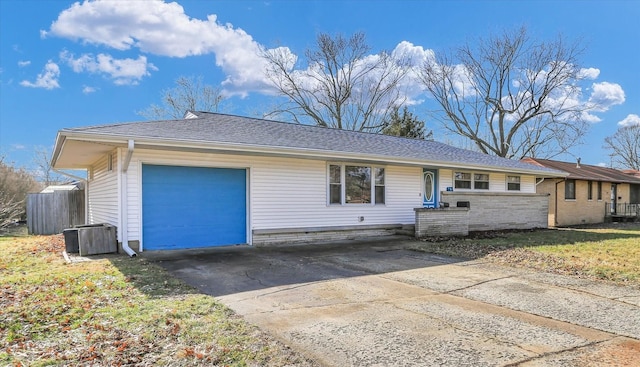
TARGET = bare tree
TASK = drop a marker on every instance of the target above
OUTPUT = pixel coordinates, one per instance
(189, 94)
(44, 172)
(343, 86)
(15, 183)
(625, 147)
(511, 96)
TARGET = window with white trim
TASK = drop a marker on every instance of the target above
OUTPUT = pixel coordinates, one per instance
(355, 184)
(481, 181)
(462, 180)
(109, 162)
(379, 187)
(513, 183)
(468, 180)
(335, 185)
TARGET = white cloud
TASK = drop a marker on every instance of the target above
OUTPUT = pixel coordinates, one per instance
(48, 79)
(164, 29)
(605, 94)
(122, 71)
(87, 89)
(602, 164)
(630, 120)
(24, 63)
(18, 146)
(590, 73)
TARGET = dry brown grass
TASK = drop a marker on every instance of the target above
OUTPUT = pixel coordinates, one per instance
(608, 252)
(114, 311)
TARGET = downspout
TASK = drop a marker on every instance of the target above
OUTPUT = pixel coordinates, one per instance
(86, 189)
(555, 208)
(123, 202)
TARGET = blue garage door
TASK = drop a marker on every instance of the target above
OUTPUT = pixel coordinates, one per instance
(190, 207)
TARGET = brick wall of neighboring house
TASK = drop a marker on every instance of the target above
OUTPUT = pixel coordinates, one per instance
(580, 210)
(495, 211)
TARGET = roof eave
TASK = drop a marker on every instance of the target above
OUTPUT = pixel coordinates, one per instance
(142, 141)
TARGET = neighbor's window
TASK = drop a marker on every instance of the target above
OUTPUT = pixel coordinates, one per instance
(350, 184)
(335, 184)
(589, 190)
(570, 189)
(599, 190)
(462, 180)
(513, 183)
(379, 186)
(481, 181)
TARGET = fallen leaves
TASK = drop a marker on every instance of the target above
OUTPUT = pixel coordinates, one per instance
(115, 312)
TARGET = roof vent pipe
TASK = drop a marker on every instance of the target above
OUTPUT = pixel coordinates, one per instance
(578, 164)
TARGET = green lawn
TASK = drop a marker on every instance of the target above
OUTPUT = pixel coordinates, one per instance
(608, 252)
(115, 310)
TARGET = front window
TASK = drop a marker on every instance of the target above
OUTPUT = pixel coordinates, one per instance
(379, 186)
(351, 184)
(335, 184)
(467, 180)
(462, 180)
(570, 190)
(357, 184)
(513, 183)
(481, 181)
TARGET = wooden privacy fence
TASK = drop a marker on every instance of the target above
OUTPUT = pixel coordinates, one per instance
(51, 213)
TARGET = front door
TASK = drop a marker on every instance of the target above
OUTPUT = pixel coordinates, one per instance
(429, 188)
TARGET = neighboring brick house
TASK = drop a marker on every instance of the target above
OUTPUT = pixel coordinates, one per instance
(589, 194)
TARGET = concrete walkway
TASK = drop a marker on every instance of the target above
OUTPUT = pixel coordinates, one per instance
(377, 304)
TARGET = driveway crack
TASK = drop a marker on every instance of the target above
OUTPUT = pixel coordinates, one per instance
(246, 273)
(477, 284)
(558, 352)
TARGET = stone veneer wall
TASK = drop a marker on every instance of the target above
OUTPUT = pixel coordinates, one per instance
(300, 236)
(494, 210)
(432, 222)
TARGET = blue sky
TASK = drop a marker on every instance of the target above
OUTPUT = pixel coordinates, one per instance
(66, 64)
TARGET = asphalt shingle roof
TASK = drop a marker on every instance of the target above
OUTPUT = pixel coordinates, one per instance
(586, 171)
(245, 131)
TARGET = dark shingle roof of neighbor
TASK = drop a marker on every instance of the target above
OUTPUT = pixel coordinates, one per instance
(221, 128)
(586, 171)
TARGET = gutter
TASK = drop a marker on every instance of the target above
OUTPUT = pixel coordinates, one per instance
(555, 208)
(123, 201)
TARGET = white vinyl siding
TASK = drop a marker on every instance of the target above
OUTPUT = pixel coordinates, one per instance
(103, 193)
(287, 192)
(445, 179)
(292, 193)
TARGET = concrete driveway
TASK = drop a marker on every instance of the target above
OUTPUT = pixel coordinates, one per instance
(378, 304)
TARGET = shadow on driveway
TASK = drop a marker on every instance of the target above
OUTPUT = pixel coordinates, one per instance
(230, 270)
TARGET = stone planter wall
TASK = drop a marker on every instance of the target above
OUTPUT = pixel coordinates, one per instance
(432, 222)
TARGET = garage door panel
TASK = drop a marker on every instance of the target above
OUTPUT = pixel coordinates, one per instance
(190, 207)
